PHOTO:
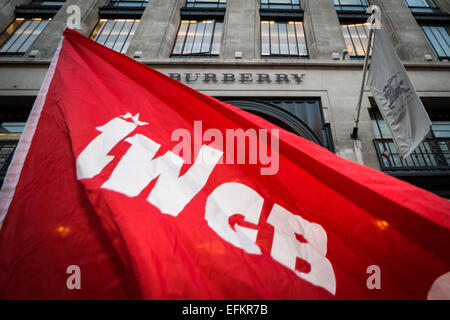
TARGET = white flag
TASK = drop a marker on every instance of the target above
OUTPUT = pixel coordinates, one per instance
(396, 97)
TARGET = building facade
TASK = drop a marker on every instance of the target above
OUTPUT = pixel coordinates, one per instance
(297, 63)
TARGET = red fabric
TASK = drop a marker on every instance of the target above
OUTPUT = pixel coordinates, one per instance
(125, 246)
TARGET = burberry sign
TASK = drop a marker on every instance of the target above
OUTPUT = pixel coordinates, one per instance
(238, 77)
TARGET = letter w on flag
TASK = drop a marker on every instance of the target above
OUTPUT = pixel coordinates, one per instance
(95, 183)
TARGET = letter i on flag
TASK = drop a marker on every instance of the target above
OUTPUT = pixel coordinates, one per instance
(98, 204)
(396, 97)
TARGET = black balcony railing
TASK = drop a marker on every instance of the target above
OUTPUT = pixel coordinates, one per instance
(6, 153)
(430, 155)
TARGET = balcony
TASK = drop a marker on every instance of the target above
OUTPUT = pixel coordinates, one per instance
(433, 155)
(427, 167)
(6, 153)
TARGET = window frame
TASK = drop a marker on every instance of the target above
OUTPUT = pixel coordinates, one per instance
(198, 4)
(432, 154)
(363, 44)
(99, 28)
(447, 28)
(213, 35)
(22, 27)
(283, 56)
(433, 8)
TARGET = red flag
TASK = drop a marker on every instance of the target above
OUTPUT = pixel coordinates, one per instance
(100, 200)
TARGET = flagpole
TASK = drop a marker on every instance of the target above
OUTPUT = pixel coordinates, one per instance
(373, 20)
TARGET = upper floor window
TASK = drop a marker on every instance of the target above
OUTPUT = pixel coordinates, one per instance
(31, 19)
(351, 5)
(115, 34)
(356, 38)
(21, 34)
(280, 4)
(439, 39)
(48, 3)
(422, 6)
(198, 38)
(283, 39)
(206, 3)
(129, 3)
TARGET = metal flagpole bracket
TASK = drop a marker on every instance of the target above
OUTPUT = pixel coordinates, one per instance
(374, 23)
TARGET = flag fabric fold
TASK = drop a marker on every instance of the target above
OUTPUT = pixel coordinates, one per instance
(396, 97)
(102, 187)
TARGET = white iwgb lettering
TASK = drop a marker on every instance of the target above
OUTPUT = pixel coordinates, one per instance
(138, 167)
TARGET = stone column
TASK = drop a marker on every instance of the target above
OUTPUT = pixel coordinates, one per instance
(403, 30)
(7, 12)
(241, 29)
(323, 30)
(157, 30)
(47, 42)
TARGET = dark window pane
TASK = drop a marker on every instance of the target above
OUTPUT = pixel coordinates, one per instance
(129, 3)
(280, 4)
(439, 39)
(206, 3)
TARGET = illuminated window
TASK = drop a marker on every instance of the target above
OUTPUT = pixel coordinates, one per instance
(115, 34)
(198, 38)
(356, 38)
(283, 39)
(21, 34)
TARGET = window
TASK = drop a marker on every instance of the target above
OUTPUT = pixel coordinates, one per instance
(129, 3)
(422, 6)
(48, 3)
(6, 153)
(21, 34)
(356, 38)
(198, 38)
(432, 154)
(115, 34)
(8, 144)
(280, 4)
(206, 3)
(14, 111)
(282, 32)
(439, 38)
(283, 39)
(12, 127)
(302, 116)
(351, 5)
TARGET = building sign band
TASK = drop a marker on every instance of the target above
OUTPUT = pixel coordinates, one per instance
(228, 78)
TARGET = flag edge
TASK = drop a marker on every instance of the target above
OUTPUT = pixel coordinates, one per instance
(18, 160)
